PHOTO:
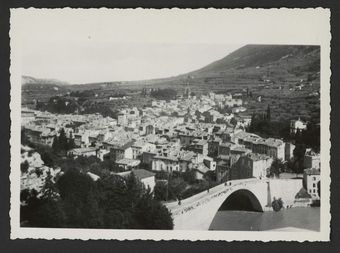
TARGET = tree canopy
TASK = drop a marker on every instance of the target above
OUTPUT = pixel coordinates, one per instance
(77, 201)
(62, 143)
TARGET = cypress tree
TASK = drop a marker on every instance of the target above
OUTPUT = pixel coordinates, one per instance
(63, 140)
(71, 143)
(55, 144)
(268, 113)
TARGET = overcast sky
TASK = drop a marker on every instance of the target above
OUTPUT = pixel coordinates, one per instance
(89, 61)
(95, 45)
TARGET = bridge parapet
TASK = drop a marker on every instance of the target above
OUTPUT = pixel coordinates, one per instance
(215, 192)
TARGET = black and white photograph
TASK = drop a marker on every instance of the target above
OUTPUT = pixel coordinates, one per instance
(168, 124)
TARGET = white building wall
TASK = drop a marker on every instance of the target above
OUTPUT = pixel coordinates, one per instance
(312, 185)
(281, 152)
(128, 153)
(149, 182)
(165, 165)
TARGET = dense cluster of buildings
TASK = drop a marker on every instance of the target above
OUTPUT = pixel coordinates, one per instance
(177, 135)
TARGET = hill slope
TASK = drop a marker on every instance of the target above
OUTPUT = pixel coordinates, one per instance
(251, 65)
(37, 81)
(41, 89)
(265, 56)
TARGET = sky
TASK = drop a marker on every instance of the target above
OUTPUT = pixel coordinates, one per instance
(99, 45)
(87, 61)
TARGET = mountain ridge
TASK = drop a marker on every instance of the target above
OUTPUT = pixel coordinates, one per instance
(25, 79)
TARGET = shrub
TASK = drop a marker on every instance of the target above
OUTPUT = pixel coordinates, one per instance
(277, 204)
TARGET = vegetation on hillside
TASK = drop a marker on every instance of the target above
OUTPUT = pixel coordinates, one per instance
(263, 125)
(164, 94)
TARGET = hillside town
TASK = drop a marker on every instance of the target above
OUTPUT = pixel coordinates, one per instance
(189, 134)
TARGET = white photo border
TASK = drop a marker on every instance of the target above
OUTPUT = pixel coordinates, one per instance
(259, 26)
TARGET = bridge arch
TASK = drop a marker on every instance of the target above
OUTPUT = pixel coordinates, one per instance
(242, 199)
(198, 211)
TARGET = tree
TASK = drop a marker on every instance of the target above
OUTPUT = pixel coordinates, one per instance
(134, 189)
(233, 121)
(24, 139)
(252, 125)
(40, 212)
(44, 213)
(151, 214)
(299, 153)
(47, 159)
(49, 190)
(276, 168)
(268, 116)
(114, 202)
(63, 142)
(277, 204)
(38, 172)
(164, 94)
(298, 136)
(162, 175)
(189, 176)
(161, 191)
(24, 166)
(310, 136)
(176, 187)
(78, 196)
(70, 143)
(110, 202)
(55, 144)
(210, 176)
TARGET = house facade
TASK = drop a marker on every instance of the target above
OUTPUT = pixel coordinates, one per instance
(311, 179)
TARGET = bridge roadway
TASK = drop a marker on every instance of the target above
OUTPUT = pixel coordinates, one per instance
(198, 211)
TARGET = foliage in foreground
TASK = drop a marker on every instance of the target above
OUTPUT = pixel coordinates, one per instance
(111, 202)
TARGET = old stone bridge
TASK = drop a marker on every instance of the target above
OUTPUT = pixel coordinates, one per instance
(198, 211)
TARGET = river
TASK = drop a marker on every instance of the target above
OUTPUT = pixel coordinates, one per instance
(302, 218)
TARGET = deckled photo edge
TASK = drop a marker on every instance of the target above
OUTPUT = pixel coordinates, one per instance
(18, 232)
